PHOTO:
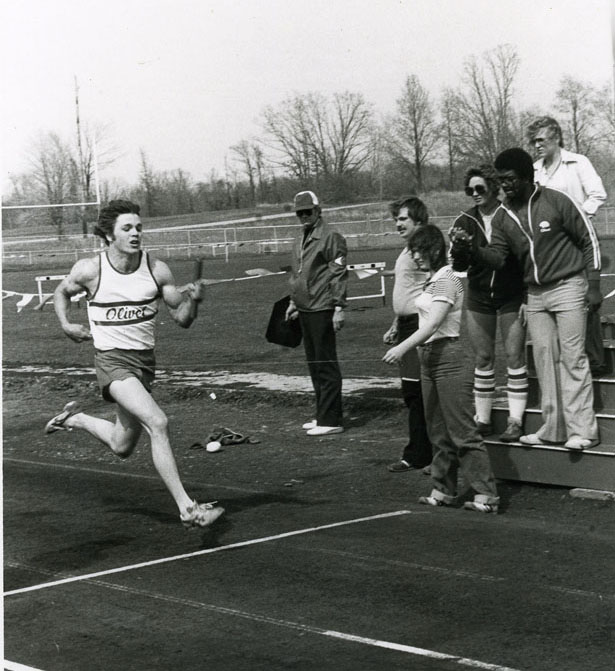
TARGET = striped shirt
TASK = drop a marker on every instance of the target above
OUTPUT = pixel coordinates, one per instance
(443, 286)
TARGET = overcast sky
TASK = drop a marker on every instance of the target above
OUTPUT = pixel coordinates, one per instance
(185, 79)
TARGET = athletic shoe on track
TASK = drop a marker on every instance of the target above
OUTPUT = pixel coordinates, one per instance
(513, 431)
(310, 425)
(484, 428)
(481, 507)
(437, 498)
(400, 466)
(201, 514)
(57, 423)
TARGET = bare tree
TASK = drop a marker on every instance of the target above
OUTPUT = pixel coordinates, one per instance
(315, 136)
(247, 156)
(52, 175)
(484, 104)
(576, 102)
(149, 187)
(449, 127)
(179, 192)
(605, 110)
(286, 128)
(349, 132)
(412, 134)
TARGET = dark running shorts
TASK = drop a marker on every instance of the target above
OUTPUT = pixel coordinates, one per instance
(120, 364)
(483, 303)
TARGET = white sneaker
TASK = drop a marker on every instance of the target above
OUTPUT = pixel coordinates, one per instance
(310, 425)
(324, 430)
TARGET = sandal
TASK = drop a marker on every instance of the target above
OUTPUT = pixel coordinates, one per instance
(226, 436)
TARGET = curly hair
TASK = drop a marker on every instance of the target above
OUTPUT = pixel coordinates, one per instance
(488, 173)
(545, 122)
(417, 210)
(429, 241)
(109, 214)
(516, 159)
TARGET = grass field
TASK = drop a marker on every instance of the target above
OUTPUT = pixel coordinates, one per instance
(231, 326)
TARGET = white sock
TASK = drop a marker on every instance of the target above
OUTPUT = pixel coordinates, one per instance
(484, 392)
(516, 391)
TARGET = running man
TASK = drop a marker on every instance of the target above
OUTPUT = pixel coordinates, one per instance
(123, 286)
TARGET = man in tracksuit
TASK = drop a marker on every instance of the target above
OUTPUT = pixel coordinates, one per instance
(318, 298)
(559, 252)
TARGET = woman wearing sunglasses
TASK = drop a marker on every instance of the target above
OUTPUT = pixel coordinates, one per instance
(492, 294)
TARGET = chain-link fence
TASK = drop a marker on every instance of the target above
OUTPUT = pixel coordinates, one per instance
(363, 230)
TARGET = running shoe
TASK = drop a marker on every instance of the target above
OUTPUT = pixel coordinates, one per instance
(57, 423)
(513, 431)
(201, 514)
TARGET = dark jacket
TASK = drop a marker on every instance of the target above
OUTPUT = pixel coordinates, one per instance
(319, 276)
(559, 243)
(500, 285)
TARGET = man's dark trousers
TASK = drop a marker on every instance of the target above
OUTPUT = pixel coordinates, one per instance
(418, 450)
(321, 355)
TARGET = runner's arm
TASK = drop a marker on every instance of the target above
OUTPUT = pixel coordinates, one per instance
(82, 277)
(178, 303)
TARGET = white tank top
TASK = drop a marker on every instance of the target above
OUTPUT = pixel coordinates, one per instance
(122, 311)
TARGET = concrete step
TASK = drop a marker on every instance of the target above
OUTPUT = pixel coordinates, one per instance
(552, 464)
(533, 421)
(604, 394)
(592, 469)
(609, 357)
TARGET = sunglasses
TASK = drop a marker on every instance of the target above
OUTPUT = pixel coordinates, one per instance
(479, 189)
(541, 140)
(304, 213)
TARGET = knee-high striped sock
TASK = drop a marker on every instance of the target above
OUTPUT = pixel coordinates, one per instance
(516, 391)
(484, 392)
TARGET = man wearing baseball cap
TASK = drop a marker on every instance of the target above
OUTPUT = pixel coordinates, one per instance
(318, 298)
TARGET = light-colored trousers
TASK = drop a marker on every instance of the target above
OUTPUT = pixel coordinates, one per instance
(556, 316)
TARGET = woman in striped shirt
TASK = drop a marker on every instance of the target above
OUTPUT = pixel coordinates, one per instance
(446, 395)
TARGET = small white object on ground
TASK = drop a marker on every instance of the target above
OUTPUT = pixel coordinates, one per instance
(213, 446)
(598, 494)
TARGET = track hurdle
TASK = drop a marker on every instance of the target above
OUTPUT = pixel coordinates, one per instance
(363, 270)
(44, 298)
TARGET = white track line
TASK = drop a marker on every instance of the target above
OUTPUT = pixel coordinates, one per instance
(141, 476)
(330, 633)
(14, 666)
(232, 546)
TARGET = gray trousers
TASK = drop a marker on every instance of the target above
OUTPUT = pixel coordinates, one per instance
(448, 403)
(556, 318)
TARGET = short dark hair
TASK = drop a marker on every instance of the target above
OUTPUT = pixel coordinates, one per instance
(109, 214)
(545, 122)
(488, 173)
(516, 159)
(429, 241)
(416, 208)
